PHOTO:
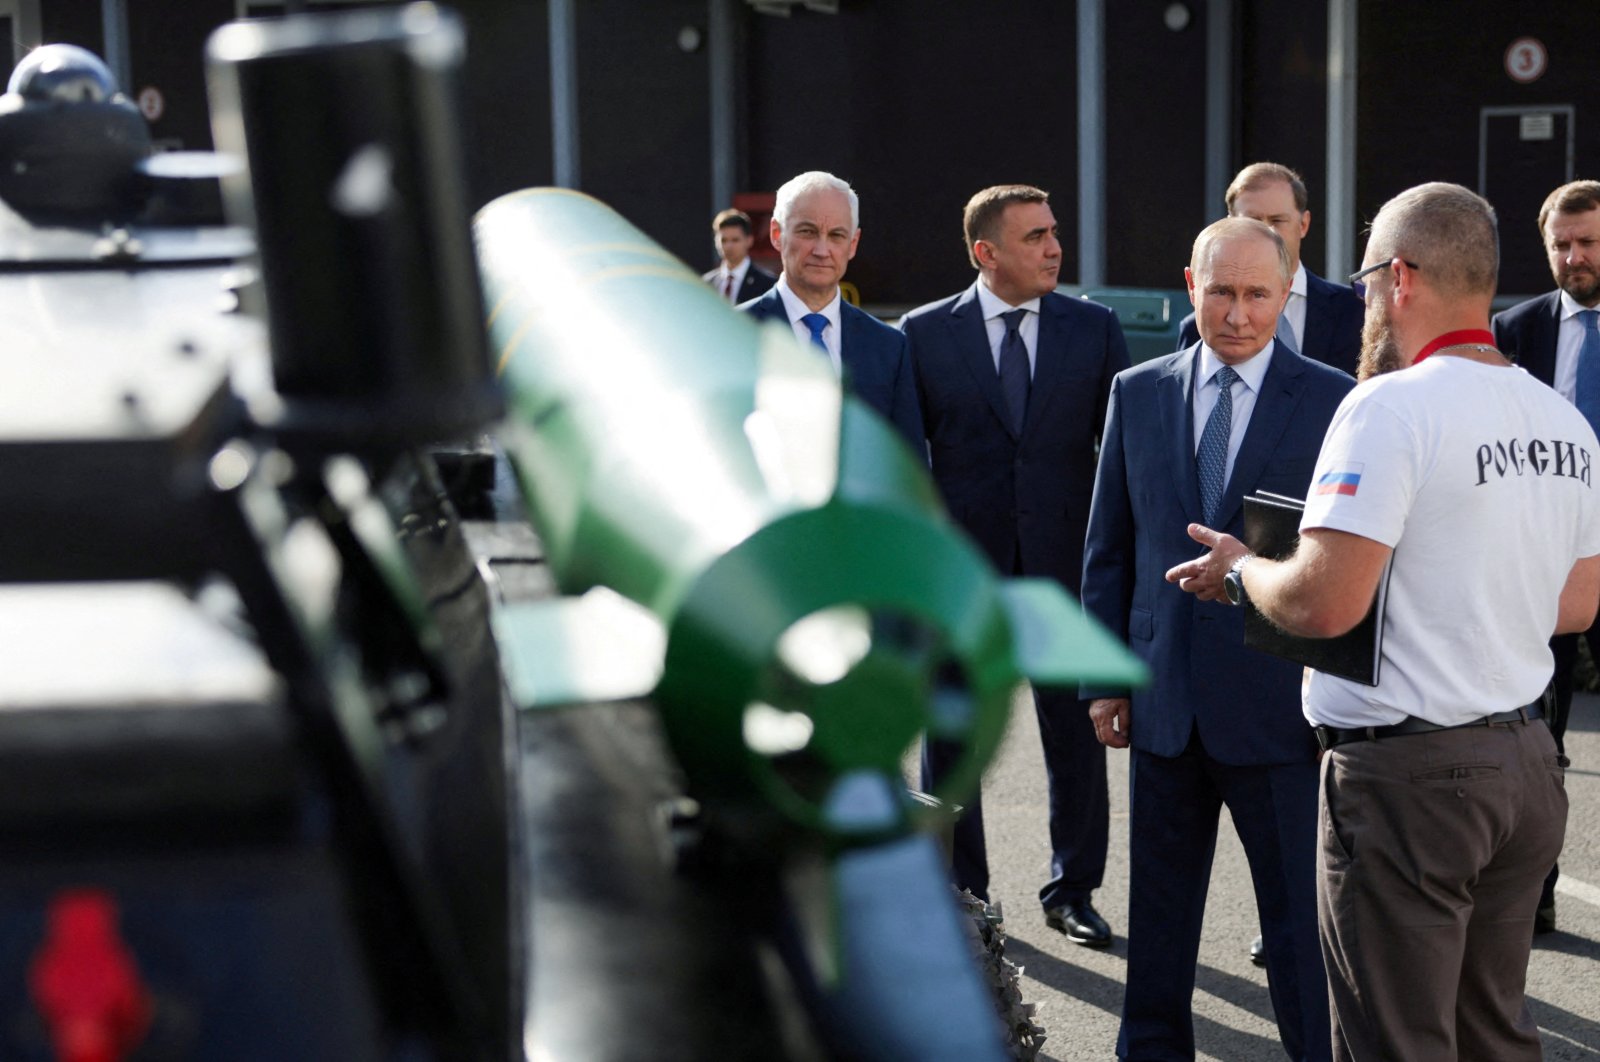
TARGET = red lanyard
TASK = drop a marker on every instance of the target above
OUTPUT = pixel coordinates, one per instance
(1455, 339)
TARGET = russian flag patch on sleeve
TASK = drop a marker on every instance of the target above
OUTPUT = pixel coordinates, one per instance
(1340, 481)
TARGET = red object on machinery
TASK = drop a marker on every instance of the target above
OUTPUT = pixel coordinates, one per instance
(759, 206)
(84, 982)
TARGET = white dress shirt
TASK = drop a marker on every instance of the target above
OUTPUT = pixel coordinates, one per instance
(795, 309)
(1295, 309)
(1569, 341)
(1028, 328)
(738, 273)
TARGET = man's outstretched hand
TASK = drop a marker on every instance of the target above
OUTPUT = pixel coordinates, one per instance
(1202, 576)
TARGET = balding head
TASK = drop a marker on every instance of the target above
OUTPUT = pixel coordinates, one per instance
(1448, 235)
(1205, 244)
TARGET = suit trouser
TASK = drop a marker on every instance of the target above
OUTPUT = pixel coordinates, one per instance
(1434, 847)
(1176, 804)
(1075, 773)
(1564, 647)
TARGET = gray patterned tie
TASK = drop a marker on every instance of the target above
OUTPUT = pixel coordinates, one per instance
(1212, 457)
(1015, 379)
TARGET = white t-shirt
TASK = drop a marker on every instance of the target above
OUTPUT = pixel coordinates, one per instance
(1482, 479)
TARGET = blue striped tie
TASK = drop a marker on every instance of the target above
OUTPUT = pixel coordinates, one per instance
(1586, 395)
(1212, 457)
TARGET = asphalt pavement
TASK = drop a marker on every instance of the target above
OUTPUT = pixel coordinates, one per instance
(1079, 991)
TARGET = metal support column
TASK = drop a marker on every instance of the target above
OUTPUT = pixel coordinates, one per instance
(114, 27)
(1219, 103)
(1091, 142)
(1341, 216)
(564, 91)
(722, 43)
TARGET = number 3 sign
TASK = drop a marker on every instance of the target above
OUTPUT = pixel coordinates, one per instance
(1526, 60)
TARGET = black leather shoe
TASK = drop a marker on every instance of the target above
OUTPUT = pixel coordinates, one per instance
(1544, 919)
(1258, 951)
(1080, 922)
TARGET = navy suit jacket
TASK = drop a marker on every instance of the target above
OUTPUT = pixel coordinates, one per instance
(877, 369)
(1024, 498)
(1332, 336)
(757, 281)
(1245, 703)
(1527, 333)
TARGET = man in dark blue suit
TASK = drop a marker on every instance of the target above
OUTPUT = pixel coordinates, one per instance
(737, 278)
(1186, 438)
(1012, 379)
(816, 227)
(1545, 335)
(1321, 320)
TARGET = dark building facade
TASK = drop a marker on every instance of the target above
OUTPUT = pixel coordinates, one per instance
(920, 104)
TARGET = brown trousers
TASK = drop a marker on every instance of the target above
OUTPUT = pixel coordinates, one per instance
(1434, 847)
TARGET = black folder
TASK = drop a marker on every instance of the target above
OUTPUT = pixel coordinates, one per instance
(1272, 529)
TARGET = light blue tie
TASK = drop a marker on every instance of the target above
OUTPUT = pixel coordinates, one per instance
(1586, 395)
(1285, 333)
(816, 323)
(1212, 457)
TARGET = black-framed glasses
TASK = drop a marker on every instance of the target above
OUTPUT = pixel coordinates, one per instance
(1355, 278)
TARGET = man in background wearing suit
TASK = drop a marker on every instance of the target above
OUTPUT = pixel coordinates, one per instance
(1186, 438)
(1012, 379)
(1321, 320)
(816, 227)
(738, 279)
(1556, 337)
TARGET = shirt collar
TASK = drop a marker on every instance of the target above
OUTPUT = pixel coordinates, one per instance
(1252, 372)
(795, 309)
(1571, 307)
(993, 305)
(1297, 285)
(737, 272)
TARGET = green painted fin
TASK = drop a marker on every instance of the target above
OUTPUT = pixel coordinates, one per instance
(1057, 645)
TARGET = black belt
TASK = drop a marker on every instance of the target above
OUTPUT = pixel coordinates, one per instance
(1332, 737)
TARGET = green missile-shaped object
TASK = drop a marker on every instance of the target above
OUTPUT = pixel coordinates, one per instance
(739, 537)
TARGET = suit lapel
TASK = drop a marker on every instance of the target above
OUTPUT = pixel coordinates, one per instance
(769, 307)
(1319, 323)
(1049, 359)
(969, 336)
(1540, 357)
(851, 325)
(1280, 394)
(1173, 400)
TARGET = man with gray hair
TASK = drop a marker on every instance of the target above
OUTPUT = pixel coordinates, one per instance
(1187, 436)
(816, 227)
(1467, 488)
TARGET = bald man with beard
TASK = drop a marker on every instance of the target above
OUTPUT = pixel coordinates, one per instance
(1469, 487)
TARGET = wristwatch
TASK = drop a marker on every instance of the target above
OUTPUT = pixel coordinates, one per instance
(1233, 582)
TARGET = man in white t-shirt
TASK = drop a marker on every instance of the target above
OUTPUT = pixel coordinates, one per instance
(1470, 487)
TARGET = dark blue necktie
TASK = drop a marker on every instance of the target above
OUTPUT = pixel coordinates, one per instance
(816, 323)
(1015, 378)
(1586, 395)
(1212, 456)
